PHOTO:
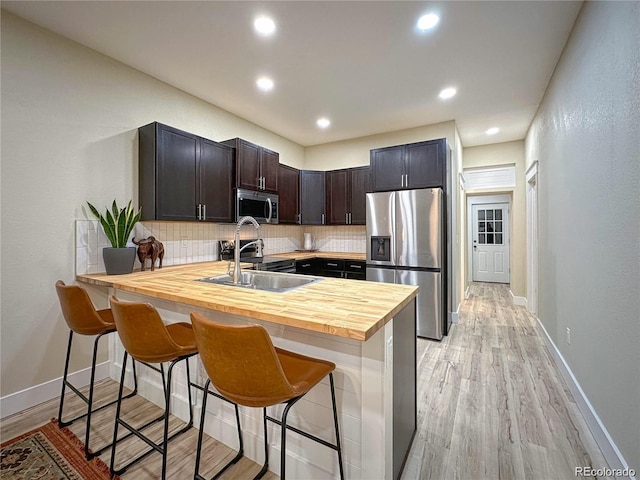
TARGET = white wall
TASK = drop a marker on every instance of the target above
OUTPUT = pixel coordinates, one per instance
(586, 138)
(507, 153)
(69, 120)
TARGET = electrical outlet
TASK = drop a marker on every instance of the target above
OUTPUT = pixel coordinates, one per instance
(184, 242)
(568, 336)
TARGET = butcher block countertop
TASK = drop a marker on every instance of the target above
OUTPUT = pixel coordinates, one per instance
(303, 255)
(346, 308)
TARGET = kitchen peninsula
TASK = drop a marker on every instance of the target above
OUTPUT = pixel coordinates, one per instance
(367, 329)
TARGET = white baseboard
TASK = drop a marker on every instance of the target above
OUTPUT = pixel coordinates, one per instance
(518, 300)
(611, 453)
(455, 316)
(30, 397)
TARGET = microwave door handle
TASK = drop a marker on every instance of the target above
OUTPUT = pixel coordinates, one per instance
(270, 210)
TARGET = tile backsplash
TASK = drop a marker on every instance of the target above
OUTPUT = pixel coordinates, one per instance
(186, 242)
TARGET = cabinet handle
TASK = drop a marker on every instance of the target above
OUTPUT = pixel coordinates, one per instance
(355, 266)
(263, 182)
(299, 217)
(402, 180)
(350, 221)
(346, 219)
(323, 219)
(204, 212)
(306, 265)
(332, 264)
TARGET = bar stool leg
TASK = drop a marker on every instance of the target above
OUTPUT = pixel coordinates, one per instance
(240, 453)
(283, 434)
(265, 466)
(116, 423)
(64, 380)
(335, 422)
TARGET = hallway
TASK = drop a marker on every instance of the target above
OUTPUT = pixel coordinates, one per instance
(491, 403)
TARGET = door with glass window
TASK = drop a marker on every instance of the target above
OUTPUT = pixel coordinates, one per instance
(490, 242)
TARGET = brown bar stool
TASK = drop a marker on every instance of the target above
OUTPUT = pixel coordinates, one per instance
(247, 369)
(83, 319)
(148, 340)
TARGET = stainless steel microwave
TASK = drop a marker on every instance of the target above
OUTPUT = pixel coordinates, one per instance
(259, 205)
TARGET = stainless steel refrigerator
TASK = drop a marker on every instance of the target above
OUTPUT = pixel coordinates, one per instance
(406, 245)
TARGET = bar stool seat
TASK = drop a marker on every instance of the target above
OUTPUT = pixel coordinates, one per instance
(149, 341)
(246, 368)
(82, 318)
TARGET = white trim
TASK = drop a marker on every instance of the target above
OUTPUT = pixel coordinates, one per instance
(455, 316)
(532, 171)
(467, 292)
(532, 237)
(610, 451)
(32, 396)
(463, 182)
(490, 177)
(518, 300)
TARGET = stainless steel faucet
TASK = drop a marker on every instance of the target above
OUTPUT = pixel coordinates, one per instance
(236, 250)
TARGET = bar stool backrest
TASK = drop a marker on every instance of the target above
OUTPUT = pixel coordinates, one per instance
(78, 310)
(142, 332)
(241, 362)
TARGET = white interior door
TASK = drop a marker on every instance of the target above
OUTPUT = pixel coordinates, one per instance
(490, 242)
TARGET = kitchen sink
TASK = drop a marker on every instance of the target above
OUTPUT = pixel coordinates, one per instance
(269, 281)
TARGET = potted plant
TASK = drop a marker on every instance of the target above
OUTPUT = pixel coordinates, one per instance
(117, 225)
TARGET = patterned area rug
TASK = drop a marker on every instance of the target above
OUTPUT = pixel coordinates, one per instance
(49, 453)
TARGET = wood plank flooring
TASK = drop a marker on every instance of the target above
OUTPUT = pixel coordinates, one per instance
(491, 405)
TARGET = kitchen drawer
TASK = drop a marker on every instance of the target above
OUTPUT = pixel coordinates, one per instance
(355, 266)
(355, 275)
(307, 267)
(331, 264)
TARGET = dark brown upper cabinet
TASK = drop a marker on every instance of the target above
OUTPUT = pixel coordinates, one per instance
(184, 177)
(415, 165)
(288, 193)
(312, 197)
(346, 196)
(256, 166)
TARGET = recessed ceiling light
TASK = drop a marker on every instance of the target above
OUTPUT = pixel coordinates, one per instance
(264, 25)
(323, 122)
(428, 21)
(265, 84)
(492, 131)
(447, 93)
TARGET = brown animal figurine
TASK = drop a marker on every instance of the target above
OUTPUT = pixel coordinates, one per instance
(150, 248)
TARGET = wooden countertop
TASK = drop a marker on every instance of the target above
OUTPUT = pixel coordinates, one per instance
(346, 308)
(302, 255)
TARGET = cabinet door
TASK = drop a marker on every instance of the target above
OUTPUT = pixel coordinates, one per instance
(360, 185)
(424, 165)
(269, 169)
(247, 165)
(176, 175)
(338, 196)
(215, 181)
(312, 192)
(387, 168)
(288, 193)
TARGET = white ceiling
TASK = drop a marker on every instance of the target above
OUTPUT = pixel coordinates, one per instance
(362, 64)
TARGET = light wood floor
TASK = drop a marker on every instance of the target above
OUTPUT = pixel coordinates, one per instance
(491, 405)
